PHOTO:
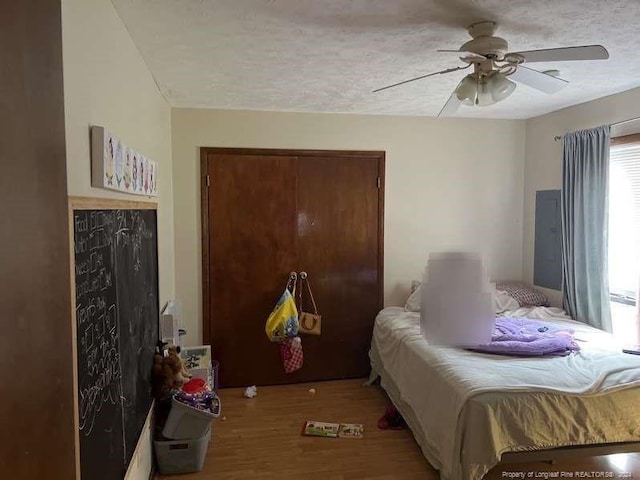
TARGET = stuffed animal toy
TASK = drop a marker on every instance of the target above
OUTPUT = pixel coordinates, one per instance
(175, 351)
(169, 372)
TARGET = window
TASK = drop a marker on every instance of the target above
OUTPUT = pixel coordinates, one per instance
(624, 234)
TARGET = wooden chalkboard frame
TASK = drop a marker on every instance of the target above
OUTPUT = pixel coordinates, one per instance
(88, 203)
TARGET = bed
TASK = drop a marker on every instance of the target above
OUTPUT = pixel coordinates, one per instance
(469, 411)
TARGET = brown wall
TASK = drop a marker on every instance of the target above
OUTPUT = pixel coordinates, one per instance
(36, 384)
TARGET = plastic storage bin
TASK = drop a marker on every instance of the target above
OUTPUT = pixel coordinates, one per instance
(186, 422)
(215, 371)
(181, 456)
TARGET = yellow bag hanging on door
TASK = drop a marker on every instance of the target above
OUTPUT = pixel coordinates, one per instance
(283, 320)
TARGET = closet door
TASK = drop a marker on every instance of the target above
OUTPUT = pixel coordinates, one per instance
(251, 250)
(339, 246)
(267, 213)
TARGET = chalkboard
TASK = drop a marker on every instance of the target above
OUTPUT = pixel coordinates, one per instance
(116, 305)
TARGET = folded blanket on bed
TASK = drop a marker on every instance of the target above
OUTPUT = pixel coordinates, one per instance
(522, 336)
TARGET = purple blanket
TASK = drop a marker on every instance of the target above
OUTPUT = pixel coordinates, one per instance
(522, 336)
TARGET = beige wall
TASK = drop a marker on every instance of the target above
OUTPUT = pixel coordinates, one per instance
(450, 184)
(543, 155)
(107, 83)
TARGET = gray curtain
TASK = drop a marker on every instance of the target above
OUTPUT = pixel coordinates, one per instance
(585, 219)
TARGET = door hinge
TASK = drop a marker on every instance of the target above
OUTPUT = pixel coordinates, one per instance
(379, 182)
(208, 181)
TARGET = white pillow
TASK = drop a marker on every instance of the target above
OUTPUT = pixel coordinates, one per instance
(501, 300)
(413, 303)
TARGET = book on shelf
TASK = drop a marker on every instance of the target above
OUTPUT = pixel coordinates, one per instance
(333, 430)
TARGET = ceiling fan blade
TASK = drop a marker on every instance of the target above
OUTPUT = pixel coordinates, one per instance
(587, 52)
(448, 70)
(538, 80)
(451, 106)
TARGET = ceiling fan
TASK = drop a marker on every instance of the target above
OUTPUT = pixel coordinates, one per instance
(495, 68)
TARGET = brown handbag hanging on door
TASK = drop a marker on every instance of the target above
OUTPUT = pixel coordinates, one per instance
(309, 323)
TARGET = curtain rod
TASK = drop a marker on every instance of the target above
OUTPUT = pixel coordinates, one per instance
(560, 137)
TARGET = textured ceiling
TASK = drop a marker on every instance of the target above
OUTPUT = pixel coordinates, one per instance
(328, 55)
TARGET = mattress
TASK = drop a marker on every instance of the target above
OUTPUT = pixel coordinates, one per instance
(468, 408)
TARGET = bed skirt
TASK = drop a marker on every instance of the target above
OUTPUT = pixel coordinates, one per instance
(546, 455)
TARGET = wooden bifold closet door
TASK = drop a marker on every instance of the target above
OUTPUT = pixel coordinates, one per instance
(266, 213)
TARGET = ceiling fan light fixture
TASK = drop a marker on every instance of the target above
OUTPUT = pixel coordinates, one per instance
(467, 90)
(500, 86)
(484, 91)
(485, 94)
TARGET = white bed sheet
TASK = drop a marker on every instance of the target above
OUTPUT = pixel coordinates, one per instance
(472, 407)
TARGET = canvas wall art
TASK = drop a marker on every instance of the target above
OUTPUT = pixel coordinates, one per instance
(119, 167)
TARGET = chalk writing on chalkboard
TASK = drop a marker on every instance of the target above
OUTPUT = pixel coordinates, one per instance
(96, 316)
(115, 253)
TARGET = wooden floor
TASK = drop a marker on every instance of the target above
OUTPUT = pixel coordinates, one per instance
(260, 439)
